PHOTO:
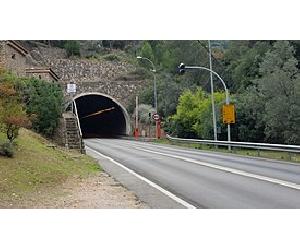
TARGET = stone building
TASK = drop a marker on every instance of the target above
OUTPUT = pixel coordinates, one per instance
(46, 74)
(13, 57)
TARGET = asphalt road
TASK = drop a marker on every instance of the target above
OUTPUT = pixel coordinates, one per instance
(186, 178)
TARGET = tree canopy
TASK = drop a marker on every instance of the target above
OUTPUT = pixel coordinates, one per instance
(262, 76)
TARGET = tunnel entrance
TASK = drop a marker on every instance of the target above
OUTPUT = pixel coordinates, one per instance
(101, 117)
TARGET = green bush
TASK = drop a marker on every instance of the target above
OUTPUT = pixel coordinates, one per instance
(111, 57)
(44, 104)
(7, 149)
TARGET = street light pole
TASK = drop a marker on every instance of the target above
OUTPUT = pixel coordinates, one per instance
(212, 95)
(154, 92)
(227, 100)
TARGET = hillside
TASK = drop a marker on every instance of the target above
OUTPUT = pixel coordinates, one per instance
(39, 176)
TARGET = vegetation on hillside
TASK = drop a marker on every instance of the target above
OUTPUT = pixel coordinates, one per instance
(262, 77)
(72, 48)
(12, 112)
(44, 104)
(27, 103)
(37, 169)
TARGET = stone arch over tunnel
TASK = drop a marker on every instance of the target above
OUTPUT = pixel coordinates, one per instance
(101, 115)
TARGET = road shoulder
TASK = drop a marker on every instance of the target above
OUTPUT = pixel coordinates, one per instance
(145, 193)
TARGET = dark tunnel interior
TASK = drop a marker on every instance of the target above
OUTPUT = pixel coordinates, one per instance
(100, 117)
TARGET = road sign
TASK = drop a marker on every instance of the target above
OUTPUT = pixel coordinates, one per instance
(71, 88)
(155, 117)
(228, 113)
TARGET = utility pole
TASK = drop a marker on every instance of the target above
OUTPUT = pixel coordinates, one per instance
(212, 95)
(136, 131)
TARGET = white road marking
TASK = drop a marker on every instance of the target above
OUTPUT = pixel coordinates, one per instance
(151, 183)
(231, 170)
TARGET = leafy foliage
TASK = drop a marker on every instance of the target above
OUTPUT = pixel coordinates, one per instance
(12, 113)
(242, 60)
(262, 76)
(279, 88)
(72, 47)
(7, 149)
(193, 117)
(44, 101)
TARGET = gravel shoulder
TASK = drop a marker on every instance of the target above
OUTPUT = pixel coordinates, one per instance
(100, 191)
(94, 192)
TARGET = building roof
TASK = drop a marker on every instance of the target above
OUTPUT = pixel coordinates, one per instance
(18, 47)
(43, 70)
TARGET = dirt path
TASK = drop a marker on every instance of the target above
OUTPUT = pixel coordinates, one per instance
(100, 191)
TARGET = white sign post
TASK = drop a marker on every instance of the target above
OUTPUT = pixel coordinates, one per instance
(71, 88)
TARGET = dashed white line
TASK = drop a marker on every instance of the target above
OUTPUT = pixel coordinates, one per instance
(151, 183)
(231, 170)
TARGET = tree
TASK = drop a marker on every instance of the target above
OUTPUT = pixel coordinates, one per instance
(193, 117)
(146, 51)
(12, 113)
(44, 101)
(204, 124)
(242, 60)
(279, 87)
(250, 109)
(72, 47)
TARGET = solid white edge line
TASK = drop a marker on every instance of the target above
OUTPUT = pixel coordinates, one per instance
(151, 183)
(231, 170)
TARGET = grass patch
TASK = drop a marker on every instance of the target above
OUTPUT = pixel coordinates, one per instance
(111, 57)
(36, 167)
(284, 156)
(136, 75)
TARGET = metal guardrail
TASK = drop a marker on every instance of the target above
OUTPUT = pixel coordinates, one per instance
(258, 146)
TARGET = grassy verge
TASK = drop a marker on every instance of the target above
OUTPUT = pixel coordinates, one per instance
(284, 156)
(38, 168)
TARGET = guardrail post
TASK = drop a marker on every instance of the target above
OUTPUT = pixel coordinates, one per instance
(290, 156)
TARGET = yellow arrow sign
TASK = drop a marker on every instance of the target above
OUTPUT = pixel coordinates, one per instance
(98, 112)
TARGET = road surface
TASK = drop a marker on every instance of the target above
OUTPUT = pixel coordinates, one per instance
(187, 178)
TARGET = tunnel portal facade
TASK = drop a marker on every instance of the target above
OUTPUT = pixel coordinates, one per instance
(101, 116)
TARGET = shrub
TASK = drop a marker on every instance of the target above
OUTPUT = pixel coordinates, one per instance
(44, 105)
(13, 123)
(111, 57)
(7, 149)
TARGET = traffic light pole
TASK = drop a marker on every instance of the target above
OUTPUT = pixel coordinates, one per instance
(136, 131)
(227, 100)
